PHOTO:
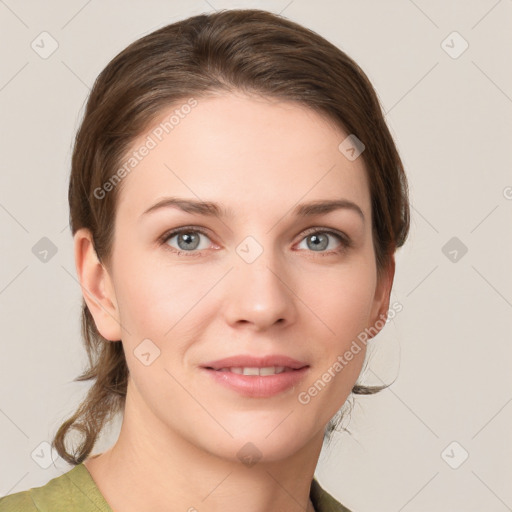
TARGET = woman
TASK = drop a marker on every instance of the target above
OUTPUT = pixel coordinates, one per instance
(236, 200)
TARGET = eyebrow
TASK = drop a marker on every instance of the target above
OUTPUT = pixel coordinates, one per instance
(212, 209)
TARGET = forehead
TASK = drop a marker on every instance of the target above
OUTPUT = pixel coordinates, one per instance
(245, 152)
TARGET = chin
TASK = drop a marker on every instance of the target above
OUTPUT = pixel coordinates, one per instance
(261, 441)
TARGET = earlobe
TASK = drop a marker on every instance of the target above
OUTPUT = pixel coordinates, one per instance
(97, 288)
(382, 295)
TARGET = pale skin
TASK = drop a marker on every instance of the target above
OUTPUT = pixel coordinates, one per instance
(181, 431)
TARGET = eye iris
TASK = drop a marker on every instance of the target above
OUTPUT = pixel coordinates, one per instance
(322, 244)
(189, 239)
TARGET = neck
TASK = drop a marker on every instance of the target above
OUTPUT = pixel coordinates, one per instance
(153, 467)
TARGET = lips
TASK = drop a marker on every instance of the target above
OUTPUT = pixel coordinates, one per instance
(257, 377)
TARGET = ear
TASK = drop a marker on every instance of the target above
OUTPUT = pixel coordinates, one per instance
(380, 306)
(97, 287)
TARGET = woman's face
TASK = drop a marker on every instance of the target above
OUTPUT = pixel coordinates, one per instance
(258, 280)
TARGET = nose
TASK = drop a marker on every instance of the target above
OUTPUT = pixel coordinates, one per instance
(260, 294)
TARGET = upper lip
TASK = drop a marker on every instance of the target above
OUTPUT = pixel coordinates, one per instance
(248, 361)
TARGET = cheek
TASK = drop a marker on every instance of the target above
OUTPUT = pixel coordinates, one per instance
(154, 296)
(342, 299)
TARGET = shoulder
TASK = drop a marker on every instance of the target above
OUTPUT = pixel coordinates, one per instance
(74, 490)
(323, 501)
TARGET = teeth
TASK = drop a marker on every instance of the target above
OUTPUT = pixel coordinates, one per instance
(270, 370)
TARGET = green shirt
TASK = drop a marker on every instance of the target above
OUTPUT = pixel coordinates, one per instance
(76, 491)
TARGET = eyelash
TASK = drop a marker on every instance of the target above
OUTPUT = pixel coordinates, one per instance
(345, 242)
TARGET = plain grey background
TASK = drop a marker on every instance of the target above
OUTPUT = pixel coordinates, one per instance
(439, 438)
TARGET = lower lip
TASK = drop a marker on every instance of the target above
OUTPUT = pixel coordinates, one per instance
(259, 386)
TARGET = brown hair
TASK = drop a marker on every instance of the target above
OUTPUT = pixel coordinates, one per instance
(251, 51)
